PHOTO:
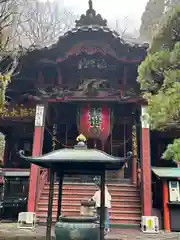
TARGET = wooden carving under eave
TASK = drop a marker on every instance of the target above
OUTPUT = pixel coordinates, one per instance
(123, 53)
(54, 132)
(88, 88)
(89, 47)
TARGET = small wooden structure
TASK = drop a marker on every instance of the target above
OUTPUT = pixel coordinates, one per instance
(171, 207)
(79, 160)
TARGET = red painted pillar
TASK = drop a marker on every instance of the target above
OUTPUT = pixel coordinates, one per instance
(146, 163)
(165, 207)
(37, 150)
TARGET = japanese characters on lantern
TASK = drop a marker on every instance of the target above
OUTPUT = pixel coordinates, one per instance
(95, 122)
(95, 119)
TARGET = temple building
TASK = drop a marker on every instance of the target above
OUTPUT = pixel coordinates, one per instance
(86, 84)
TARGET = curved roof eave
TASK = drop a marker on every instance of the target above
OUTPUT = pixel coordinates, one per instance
(96, 28)
(69, 158)
(67, 154)
(132, 42)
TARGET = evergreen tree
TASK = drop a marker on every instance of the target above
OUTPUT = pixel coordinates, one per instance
(172, 3)
(150, 18)
(159, 73)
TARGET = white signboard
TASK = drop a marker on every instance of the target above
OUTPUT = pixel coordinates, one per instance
(144, 117)
(39, 117)
(150, 224)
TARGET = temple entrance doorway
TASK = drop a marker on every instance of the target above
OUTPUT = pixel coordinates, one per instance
(62, 130)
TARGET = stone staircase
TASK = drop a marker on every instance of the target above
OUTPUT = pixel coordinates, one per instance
(126, 207)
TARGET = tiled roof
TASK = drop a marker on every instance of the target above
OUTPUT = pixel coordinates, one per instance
(105, 29)
(166, 172)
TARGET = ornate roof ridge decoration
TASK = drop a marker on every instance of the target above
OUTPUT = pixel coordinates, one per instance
(91, 18)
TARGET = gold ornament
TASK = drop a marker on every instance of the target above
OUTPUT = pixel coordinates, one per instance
(18, 112)
(2, 147)
(134, 141)
(81, 138)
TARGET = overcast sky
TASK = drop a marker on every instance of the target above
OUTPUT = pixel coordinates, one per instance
(112, 9)
(125, 11)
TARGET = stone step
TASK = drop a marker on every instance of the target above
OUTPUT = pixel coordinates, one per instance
(85, 189)
(92, 185)
(85, 193)
(77, 200)
(126, 221)
(112, 177)
(123, 207)
(126, 208)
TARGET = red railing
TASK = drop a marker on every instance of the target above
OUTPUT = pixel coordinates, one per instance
(41, 182)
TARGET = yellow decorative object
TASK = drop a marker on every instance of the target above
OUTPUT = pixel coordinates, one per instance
(150, 223)
(134, 141)
(2, 148)
(54, 144)
(81, 138)
(54, 137)
(4, 79)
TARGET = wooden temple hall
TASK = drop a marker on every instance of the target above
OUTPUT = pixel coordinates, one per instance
(86, 84)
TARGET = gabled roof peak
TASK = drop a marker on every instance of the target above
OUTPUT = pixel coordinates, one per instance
(91, 18)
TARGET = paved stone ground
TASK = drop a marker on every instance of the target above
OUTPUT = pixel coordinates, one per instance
(9, 231)
(132, 234)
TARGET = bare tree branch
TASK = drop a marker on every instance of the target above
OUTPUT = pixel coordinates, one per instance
(25, 23)
(43, 22)
(122, 29)
(10, 13)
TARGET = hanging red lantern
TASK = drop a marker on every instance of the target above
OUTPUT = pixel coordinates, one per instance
(95, 122)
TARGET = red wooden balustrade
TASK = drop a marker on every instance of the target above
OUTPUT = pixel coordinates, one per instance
(41, 183)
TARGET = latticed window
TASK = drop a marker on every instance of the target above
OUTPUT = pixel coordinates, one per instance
(95, 117)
